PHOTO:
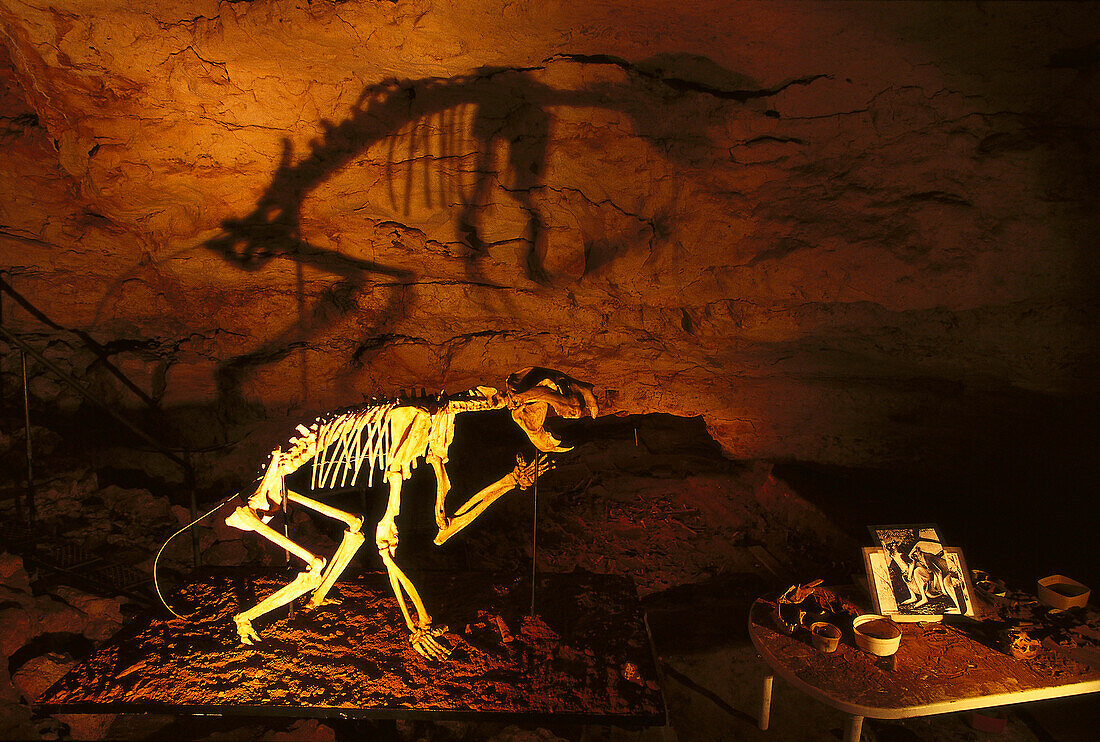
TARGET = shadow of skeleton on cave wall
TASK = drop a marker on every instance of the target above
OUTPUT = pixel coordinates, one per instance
(492, 106)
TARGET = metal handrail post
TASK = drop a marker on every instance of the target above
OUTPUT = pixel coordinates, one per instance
(31, 512)
(3, 409)
(189, 478)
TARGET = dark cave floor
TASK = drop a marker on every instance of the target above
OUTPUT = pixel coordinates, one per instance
(650, 498)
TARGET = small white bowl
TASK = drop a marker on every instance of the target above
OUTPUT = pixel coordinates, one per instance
(1059, 591)
(883, 646)
(824, 636)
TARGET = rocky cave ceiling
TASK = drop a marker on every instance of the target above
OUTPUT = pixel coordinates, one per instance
(839, 232)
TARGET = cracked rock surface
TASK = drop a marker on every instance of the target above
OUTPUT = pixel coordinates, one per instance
(843, 233)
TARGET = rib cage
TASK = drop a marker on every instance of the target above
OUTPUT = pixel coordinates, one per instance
(341, 443)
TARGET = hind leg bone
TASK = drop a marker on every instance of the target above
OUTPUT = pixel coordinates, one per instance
(246, 519)
(353, 539)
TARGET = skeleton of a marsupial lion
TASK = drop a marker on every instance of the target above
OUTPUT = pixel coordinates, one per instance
(392, 437)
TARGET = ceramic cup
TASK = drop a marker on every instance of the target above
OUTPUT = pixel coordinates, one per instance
(825, 636)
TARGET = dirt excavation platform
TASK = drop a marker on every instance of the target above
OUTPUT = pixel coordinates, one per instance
(586, 655)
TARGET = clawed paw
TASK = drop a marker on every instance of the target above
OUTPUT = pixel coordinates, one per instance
(245, 631)
(525, 471)
(324, 601)
(424, 641)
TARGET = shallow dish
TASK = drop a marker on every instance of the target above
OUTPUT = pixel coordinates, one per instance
(876, 634)
(1061, 592)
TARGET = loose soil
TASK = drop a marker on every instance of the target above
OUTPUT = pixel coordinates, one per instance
(585, 653)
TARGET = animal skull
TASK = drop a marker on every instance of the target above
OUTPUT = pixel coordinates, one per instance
(532, 392)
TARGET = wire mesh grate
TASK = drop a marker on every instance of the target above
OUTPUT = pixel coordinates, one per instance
(119, 577)
(17, 537)
(67, 556)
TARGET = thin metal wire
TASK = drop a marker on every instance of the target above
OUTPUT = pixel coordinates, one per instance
(156, 582)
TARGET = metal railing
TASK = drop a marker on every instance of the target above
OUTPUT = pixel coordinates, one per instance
(183, 461)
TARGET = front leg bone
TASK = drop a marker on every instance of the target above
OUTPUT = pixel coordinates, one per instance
(523, 476)
(386, 539)
(442, 487)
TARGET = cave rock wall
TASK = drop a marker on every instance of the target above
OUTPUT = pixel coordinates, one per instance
(826, 227)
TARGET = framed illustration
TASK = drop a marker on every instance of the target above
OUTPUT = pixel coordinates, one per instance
(919, 586)
(904, 537)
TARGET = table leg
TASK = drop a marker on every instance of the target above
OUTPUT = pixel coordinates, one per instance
(855, 729)
(766, 702)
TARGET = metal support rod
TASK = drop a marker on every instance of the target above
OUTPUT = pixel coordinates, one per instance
(853, 730)
(535, 534)
(189, 483)
(286, 528)
(31, 512)
(2, 399)
(286, 552)
(765, 702)
(286, 533)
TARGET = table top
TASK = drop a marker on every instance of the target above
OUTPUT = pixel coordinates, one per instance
(939, 668)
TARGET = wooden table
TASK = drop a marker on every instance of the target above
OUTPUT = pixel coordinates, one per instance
(939, 669)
